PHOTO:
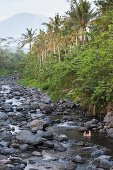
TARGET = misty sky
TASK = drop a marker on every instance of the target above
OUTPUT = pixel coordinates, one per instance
(47, 8)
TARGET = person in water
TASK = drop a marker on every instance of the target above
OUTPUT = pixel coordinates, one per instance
(85, 134)
(89, 133)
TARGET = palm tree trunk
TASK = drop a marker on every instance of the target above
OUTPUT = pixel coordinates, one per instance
(54, 48)
(45, 53)
(30, 46)
(82, 37)
(65, 49)
(59, 53)
(76, 38)
(42, 56)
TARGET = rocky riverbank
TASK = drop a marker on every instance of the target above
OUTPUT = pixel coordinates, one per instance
(36, 134)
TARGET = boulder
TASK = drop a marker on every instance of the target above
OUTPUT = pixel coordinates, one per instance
(104, 163)
(78, 159)
(45, 107)
(46, 135)
(27, 137)
(41, 124)
(7, 107)
(97, 153)
(7, 151)
(59, 147)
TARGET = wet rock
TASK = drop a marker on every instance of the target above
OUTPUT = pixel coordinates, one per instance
(94, 121)
(31, 161)
(46, 135)
(41, 124)
(57, 121)
(35, 153)
(88, 124)
(15, 145)
(67, 118)
(7, 107)
(102, 131)
(109, 131)
(45, 107)
(59, 147)
(98, 153)
(82, 129)
(11, 114)
(9, 167)
(6, 136)
(78, 159)
(61, 138)
(4, 144)
(24, 147)
(106, 163)
(49, 120)
(34, 129)
(91, 124)
(103, 157)
(27, 137)
(21, 166)
(3, 116)
(7, 151)
(49, 144)
(15, 159)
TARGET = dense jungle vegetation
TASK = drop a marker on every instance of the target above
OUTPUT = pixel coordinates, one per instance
(73, 58)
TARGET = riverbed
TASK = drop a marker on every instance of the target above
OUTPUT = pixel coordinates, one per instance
(56, 141)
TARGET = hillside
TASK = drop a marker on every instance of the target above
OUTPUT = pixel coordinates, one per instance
(17, 24)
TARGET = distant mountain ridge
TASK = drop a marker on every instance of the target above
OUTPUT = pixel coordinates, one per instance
(17, 24)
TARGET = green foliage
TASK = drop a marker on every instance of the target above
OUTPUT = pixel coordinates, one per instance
(94, 83)
(10, 62)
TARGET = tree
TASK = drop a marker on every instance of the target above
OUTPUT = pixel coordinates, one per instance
(82, 13)
(28, 38)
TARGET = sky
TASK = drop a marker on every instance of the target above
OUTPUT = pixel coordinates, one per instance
(46, 8)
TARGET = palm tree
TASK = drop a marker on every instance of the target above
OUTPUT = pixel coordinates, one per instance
(104, 5)
(28, 38)
(53, 28)
(82, 13)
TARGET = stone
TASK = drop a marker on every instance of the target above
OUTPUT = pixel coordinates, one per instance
(41, 124)
(97, 153)
(4, 144)
(102, 131)
(7, 151)
(61, 138)
(109, 131)
(59, 147)
(106, 163)
(78, 159)
(94, 121)
(103, 157)
(108, 119)
(35, 129)
(49, 144)
(49, 120)
(24, 147)
(35, 153)
(6, 136)
(46, 135)
(3, 116)
(45, 107)
(28, 137)
(82, 129)
(7, 107)
(67, 118)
